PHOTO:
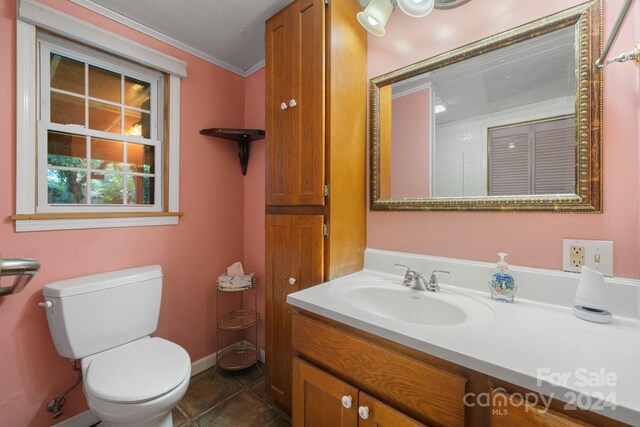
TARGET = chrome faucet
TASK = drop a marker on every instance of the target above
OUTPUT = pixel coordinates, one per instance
(415, 280)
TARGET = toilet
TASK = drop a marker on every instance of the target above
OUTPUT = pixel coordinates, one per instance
(105, 321)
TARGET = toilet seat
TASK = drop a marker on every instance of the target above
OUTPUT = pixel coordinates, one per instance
(137, 372)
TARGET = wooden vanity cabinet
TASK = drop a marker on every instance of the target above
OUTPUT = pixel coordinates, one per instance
(401, 386)
(316, 88)
(324, 400)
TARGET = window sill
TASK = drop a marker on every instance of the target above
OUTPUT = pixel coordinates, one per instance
(68, 221)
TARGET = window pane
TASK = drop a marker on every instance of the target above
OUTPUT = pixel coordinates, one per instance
(106, 188)
(104, 117)
(137, 123)
(67, 74)
(67, 109)
(104, 84)
(106, 154)
(140, 158)
(66, 186)
(65, 149)
(137, 93)
(140, 190)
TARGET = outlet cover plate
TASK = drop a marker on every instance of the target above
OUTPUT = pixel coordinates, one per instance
(598, 254)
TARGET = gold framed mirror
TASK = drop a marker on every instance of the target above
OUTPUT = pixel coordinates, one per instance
(507, 123)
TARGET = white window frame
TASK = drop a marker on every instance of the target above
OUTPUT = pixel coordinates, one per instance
(48, 45)
(33, 15)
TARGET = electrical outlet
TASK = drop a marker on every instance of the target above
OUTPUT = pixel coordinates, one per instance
(576, 256)
(596, 254)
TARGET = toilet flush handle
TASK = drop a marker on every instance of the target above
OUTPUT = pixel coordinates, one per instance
(46, 304)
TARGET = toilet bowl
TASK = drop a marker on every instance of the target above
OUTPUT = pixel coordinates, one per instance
(105, 321)
(137, 384)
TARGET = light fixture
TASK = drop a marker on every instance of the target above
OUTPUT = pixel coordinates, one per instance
(375, 16)
(416, 8)
(440, 108)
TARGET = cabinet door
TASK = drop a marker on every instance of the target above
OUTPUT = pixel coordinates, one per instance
(279, 77)
(374, 413)
(295, 97)
(509, 410)
(319, 399)
(309, 93)
(294, 252)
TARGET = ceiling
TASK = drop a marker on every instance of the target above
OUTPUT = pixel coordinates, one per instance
(228, 33)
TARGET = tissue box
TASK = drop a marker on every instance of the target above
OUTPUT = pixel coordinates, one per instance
(228, 282)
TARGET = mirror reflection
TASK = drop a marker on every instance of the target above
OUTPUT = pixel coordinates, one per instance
(497, 124)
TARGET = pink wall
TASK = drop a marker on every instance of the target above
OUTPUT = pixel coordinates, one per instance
(531, 239)
(254, 118)
(410, 149)
(192, 254)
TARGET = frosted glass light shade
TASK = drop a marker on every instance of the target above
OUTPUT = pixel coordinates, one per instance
(375, 16)
(416, 8)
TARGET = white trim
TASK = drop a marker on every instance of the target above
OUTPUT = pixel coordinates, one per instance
(26, 107)
(174, 145)
(121, 19)
(203, 364)
(42, 16)
(82, 223)
(432, 141)
(260, 65)
(83, 419)
(411, 89)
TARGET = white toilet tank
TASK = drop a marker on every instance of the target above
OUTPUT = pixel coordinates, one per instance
(94, 313)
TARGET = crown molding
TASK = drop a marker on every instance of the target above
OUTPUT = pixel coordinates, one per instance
(121, 19)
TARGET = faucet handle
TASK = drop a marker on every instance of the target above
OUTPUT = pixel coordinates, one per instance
(409, 275)
(403, 266)
(434, 279)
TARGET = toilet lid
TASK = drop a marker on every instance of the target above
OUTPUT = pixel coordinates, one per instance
(137, 372)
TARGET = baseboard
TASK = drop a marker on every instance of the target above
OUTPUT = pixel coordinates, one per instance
(83, 419)
(209, 361)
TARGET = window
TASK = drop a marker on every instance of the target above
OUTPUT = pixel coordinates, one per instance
(98, 126)
(99, 132)
(534, 158)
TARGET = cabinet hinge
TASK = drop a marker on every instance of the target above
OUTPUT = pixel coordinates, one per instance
(325, 230)
(326, 190)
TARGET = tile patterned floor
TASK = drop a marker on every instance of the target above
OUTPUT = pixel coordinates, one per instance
(228, 399)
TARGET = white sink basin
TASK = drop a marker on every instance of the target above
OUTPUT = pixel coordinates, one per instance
(393, 301)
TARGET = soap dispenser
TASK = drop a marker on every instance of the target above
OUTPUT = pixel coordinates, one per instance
(501, 282)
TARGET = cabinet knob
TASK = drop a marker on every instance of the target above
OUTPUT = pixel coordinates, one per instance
(283, 106)
(363, 411)
(346, 401)
(292, 103)
(292, 281)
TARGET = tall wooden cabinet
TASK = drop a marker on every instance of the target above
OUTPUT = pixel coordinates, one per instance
(316, 88)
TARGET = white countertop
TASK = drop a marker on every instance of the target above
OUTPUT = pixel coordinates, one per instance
(523, 343)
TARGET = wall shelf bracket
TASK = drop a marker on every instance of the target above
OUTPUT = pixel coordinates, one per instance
(242, 136)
